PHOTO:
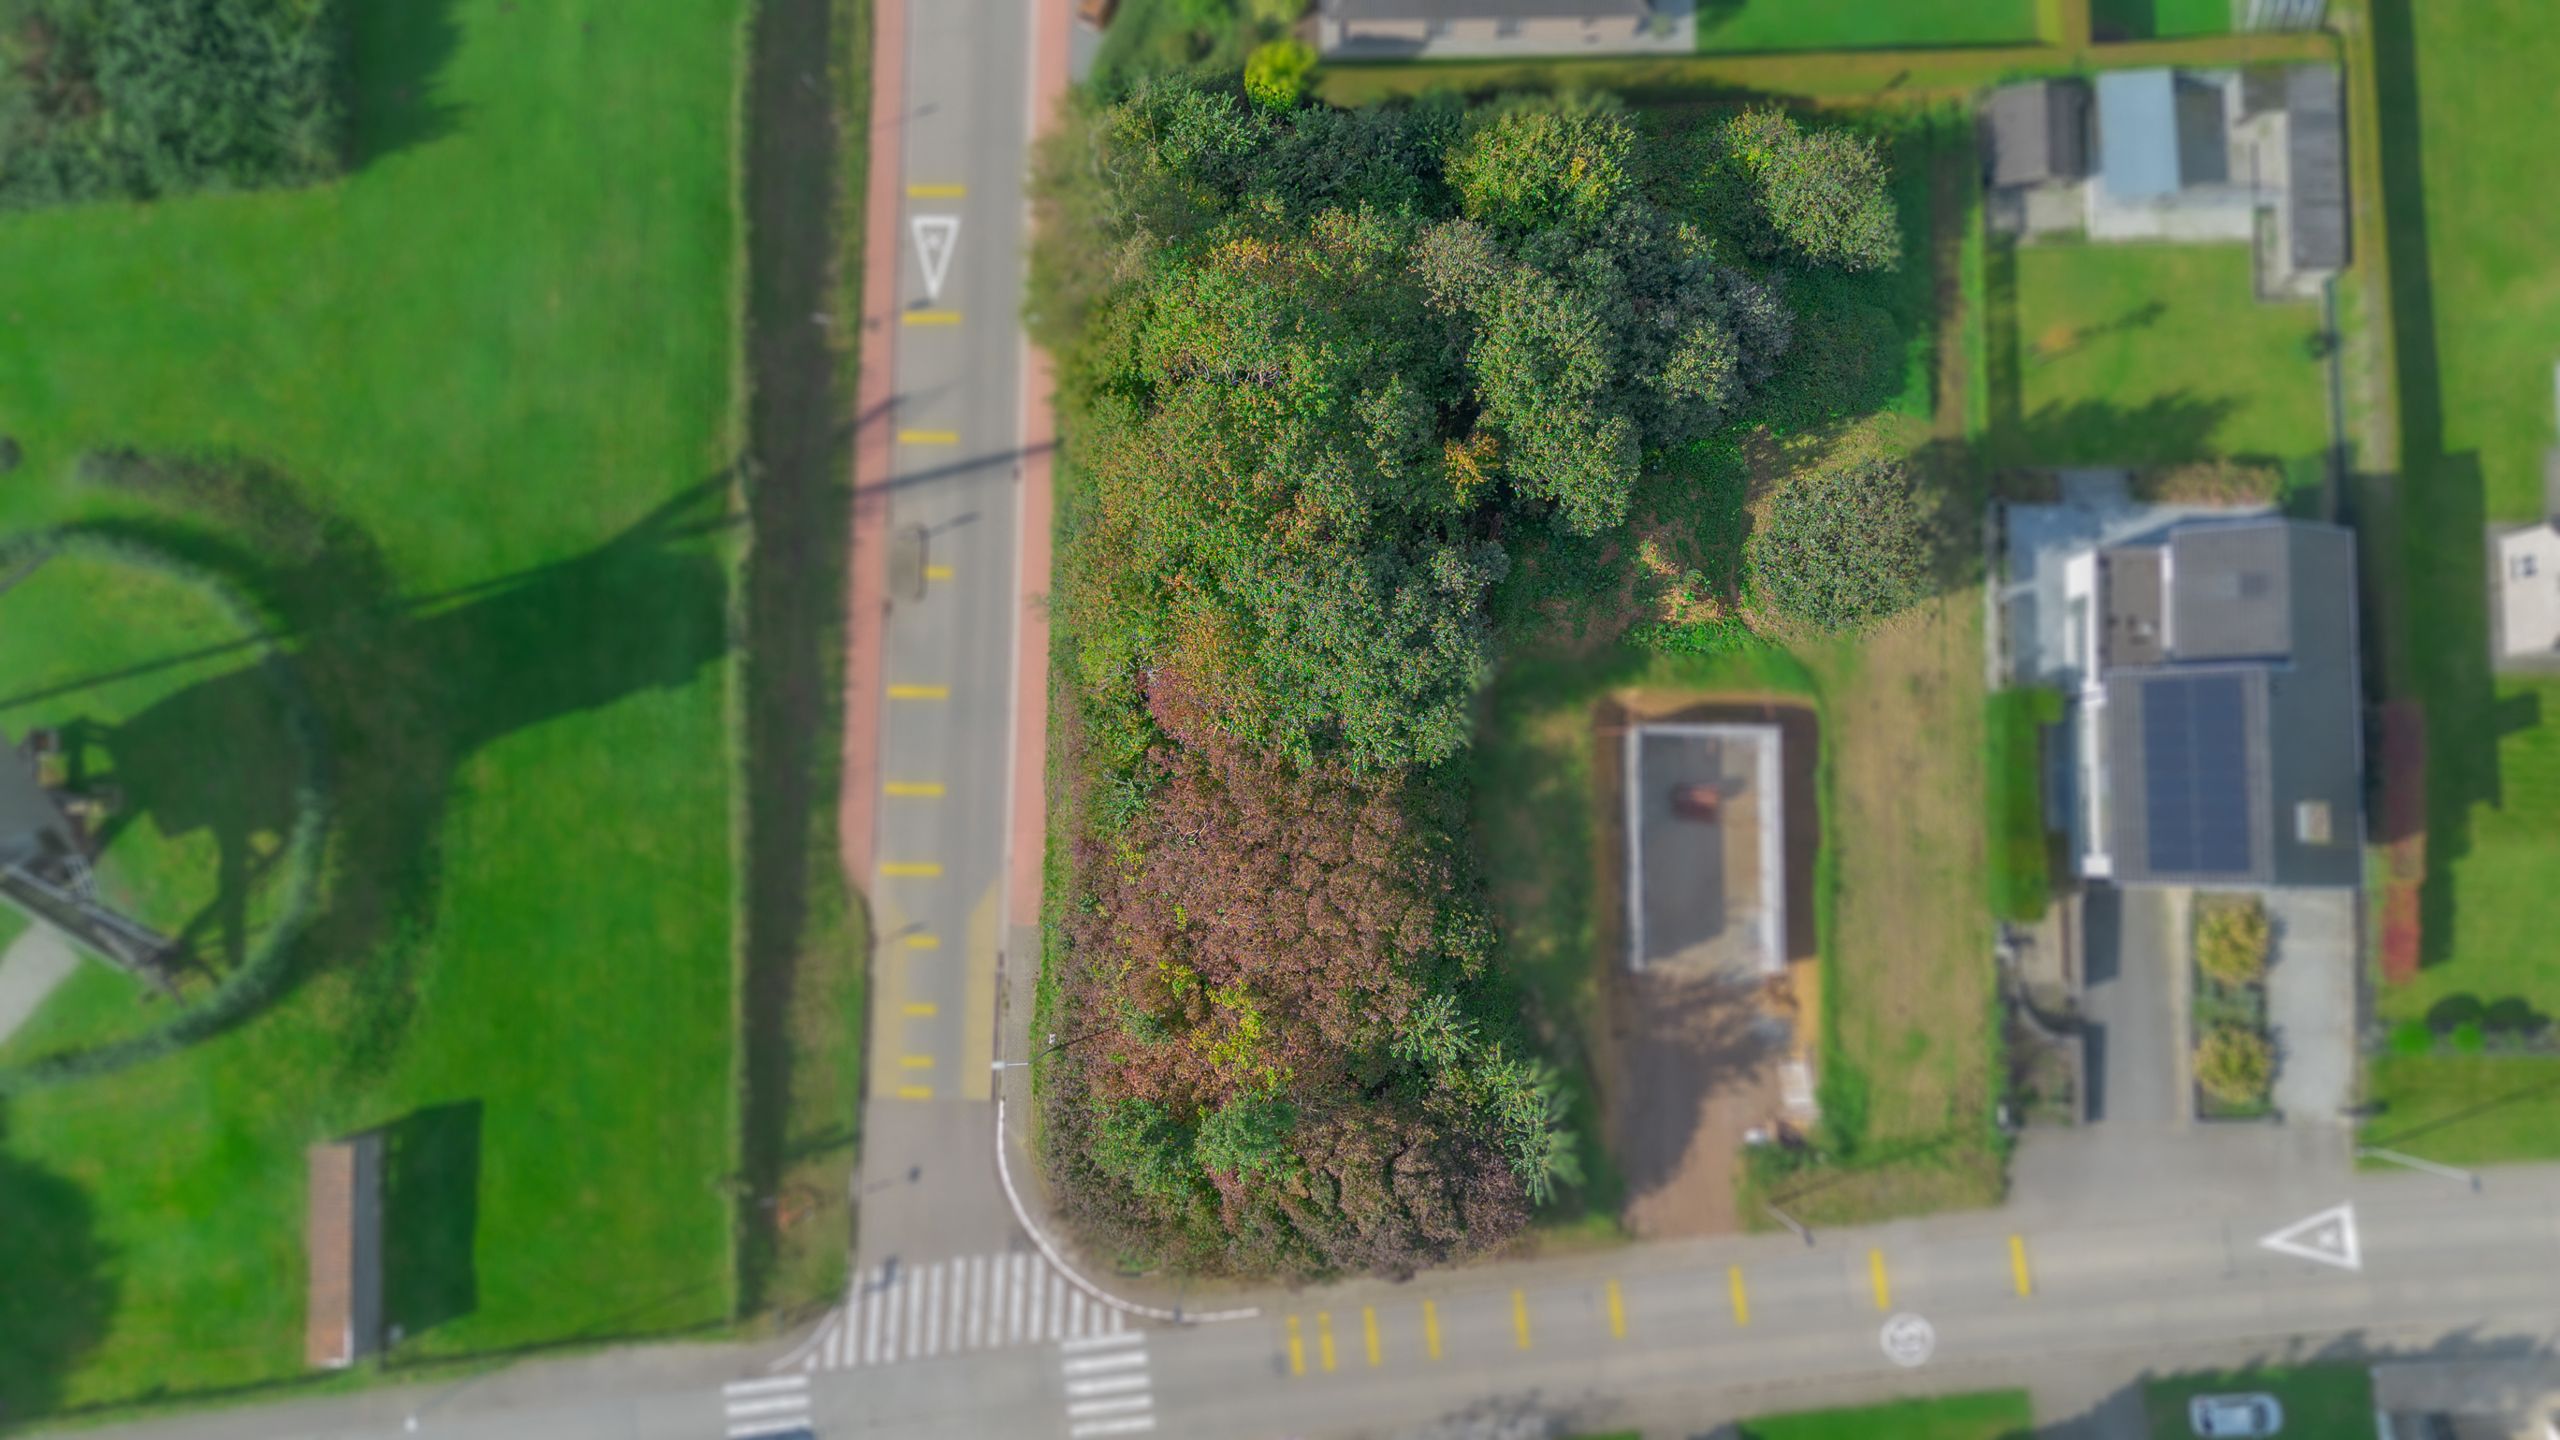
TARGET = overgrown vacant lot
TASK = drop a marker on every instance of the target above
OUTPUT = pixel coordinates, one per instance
(2475, 299)
(472, 411)
(2143, 354)
(1741, 25)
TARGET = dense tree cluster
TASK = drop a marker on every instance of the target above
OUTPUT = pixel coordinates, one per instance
(1822, 191)
(138, 98)
(1322, 370)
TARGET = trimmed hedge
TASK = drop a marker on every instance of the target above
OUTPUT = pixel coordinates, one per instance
(2021, 848)
(133, 99)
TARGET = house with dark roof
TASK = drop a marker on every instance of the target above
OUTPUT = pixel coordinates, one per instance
(2218, 731)
(1385, 29)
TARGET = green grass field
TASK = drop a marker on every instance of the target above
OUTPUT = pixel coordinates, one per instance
(2148, 354)
(2158, 19)
(1990, 1415)
(1732, 26)
(480, 400)
(2317, 1399)
(2475, 300)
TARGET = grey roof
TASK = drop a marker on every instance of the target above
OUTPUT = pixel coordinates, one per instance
(2316, 167)
(1486, 9)
(2133, 633)
(2037, 131)
(2219, 759)
(2228, 598)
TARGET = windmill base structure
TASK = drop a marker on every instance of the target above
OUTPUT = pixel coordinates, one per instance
(45, 863)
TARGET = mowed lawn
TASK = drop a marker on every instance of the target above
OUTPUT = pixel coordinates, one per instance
(486, 380)
(1989, 1415)
(2131, 354)
(2158, 19)
(2475, 291)
(1745, 25)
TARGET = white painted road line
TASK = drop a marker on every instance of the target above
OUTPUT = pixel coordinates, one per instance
(1133, 1425)
(1115, 1340)
(1107, 1385)
(1096, 1364)
(1122, 1405)
(776, 1405)
(765, 1407)
(950, 1307)
(766, 1387)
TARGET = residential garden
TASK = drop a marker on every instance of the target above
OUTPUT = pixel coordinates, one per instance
(1987, 1415)
(459, 425)
(2317, 1399)
(2471, 309)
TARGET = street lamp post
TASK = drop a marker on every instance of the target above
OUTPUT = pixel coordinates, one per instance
(1052, 1048)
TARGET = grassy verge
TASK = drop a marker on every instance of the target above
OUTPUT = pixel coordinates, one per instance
(1735, 26)
(2317, 1399)
(481, 399)
(2158, 19)
(1990, 1415)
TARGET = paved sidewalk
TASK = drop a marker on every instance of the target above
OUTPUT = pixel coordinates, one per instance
(36, 962)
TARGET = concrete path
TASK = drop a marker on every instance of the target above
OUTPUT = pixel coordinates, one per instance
(33, 965)
(2311, 1003)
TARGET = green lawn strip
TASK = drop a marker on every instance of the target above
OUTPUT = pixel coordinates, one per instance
(2143, 354)
(1988, 1415)
(2317, 1399)
(1743, 26)
(2473, 303)
(501, 342)
(2465, 1109)
(2021, 847)
(2159, 19)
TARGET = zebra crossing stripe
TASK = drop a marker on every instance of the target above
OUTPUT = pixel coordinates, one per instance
(894, 1313)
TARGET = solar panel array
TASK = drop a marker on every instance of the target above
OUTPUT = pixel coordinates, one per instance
(2195, 751)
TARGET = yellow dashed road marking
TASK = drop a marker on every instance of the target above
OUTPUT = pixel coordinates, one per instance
(1369, 1332)
(1297, 1349)
(2018, 1265)
(1884, 1287)
(1617, 1313)
(922, 942)
(928, 437)
(1431, 1328)
(923, 1009)
(929, 317)
(937, 572)
(915, 1092)
(913, 790)
(1324, 1340)
(936, 192)
(911, 870)
(919, 692)
(1741, 1297)
(915, 1062)
(1520, 1318)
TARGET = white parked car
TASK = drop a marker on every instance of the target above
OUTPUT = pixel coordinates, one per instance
(2220, 1415)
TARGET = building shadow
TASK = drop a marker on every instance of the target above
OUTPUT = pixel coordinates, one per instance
(430, 1217)
(396, 57)
(58, 1291)
(405, 690)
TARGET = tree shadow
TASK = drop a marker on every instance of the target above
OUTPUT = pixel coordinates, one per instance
(60, 1292)
(2311, 1407)
(431, 1217)
(395, 57)
(405, 688)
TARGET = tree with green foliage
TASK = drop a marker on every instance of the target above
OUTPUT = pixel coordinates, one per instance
(1844, 547)
(141, 98)
(1276, 72)
(1825, 192)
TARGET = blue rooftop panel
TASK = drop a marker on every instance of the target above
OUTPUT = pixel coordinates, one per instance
(2138, 133)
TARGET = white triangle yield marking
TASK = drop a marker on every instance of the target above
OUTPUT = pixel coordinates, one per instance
(2328, 1238)
(936, 237)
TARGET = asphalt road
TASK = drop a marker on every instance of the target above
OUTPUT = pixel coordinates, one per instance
(927, 1188)
(1689, 1333)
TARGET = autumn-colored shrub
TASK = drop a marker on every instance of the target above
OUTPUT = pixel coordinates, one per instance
(2231, 941)
(2235, 1065)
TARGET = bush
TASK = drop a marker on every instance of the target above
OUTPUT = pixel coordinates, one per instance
(2231, 942)
(2468, 1038)
(1275, 73)
(2210, 482)
(2235, 1065)
(142, 98)
(1841, 548)
(2412, 1037)
(2021, 851)
(1826, 193)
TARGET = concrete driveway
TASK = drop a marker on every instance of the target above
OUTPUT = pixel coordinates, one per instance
(2311, 1003)
(2130, 963)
